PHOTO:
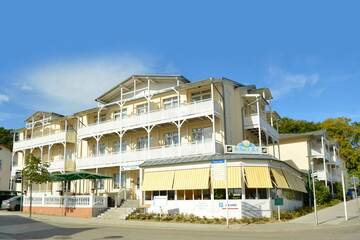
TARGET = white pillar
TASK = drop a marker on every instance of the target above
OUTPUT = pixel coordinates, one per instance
(213, 117)
(259, 119)
(324, 160)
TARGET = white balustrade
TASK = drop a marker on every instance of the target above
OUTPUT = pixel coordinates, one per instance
(137, 157)
(252, 121)
(81, 201)
(185, 111)
(45, 140)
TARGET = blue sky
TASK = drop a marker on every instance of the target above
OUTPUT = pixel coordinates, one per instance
(307, 52)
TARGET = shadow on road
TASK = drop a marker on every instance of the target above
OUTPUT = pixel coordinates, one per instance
(18, 227)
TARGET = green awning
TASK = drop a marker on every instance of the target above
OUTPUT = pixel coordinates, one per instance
(70, 176)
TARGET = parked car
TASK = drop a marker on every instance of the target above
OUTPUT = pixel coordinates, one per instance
(8, 194)
(13, 203)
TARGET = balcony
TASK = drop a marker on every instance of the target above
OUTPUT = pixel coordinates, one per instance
(64, 136)
(321, 175)
(317, 152)
(59, 165)
(252, 121)
(131, 158)
(186, 111)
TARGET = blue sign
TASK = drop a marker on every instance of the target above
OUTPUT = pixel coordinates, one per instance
(218, 161)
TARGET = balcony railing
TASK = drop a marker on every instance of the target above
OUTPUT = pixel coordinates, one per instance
(185, 111)
(59, 165)
(252, 121)
(63, 136)
(139, 156)
(87, 201)
(317, 151)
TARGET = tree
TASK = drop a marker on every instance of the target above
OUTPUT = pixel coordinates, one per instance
(288, 125)
(6, 137)
(35, 171)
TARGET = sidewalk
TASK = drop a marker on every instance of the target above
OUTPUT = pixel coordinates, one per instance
(96, 222)
(332, 215)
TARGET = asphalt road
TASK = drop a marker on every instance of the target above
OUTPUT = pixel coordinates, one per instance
(17, 226)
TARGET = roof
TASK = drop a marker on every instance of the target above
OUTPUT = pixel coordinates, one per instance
(144, 77)
(207, 158)
(302, 135)
(40, 114)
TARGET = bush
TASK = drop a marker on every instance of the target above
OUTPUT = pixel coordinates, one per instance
(323, 194)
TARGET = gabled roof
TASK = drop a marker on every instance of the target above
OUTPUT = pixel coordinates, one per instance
(143, 77)
(265, 92)
(302, 135)
(41, 114)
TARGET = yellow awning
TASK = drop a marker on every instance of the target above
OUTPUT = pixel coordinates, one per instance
(234, 179)
(279, 178)
(295, 182)
(197, 178)
(258, 177)
(158, 181)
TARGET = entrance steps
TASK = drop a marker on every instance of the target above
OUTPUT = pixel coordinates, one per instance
(122, 212)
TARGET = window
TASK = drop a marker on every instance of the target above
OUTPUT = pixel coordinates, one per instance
(100, 184)
(141, 109)
(206, 194)
(123, 114)
(200, 96)
(234, 193)
(156, 193)
(163, 193)
(171, 195)
(220, 193)
(170, 102)
(197, 194)
(142, 143)
(180, 194)
(102, 148)
(116, 178)
(250, 193)
(171, 138)
(262, 193)
(201, 134)
(148, 195)
(102, 118)
(188, 195)
(116, 146)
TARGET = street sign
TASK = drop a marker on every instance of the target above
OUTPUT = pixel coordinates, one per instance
(279, 201)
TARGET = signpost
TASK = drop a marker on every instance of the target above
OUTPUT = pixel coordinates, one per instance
(219, 172)
(314, 192)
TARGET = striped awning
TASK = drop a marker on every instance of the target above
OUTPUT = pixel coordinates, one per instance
(258, 177)
(187, 179)
(158, 181)
(295, 182)
(233, 176)
(279, 178)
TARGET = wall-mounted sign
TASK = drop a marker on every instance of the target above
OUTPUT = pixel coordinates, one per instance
(218, 169)
(245, 147)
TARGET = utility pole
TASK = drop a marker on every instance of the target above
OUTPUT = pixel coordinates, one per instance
(344, 195)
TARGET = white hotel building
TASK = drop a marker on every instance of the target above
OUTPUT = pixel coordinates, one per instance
(159, 138)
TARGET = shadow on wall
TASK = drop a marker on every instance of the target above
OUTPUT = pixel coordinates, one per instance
(17, 227)
(250, 211)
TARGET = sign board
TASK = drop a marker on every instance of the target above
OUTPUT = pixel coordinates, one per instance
(355, 179)
(245, 147)
(160, 201)
(279, 201)
(218, 169)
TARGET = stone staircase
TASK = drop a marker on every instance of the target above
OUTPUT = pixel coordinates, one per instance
(128, 207)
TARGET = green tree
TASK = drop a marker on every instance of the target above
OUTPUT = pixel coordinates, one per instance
(36, 172)
(6, 137)
(323, 194)
(347, 133)
(288, 125)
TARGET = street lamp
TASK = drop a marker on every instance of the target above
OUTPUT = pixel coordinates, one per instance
(314, 192)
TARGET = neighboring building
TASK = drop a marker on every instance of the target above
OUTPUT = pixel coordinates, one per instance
(304, 148)
(5, 164)
(158, 137)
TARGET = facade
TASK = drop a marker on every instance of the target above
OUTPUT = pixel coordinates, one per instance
(302, 149)
(5, 164)
(149, 123)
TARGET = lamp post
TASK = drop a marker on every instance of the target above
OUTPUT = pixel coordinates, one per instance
(344, 195)
(314, 192)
